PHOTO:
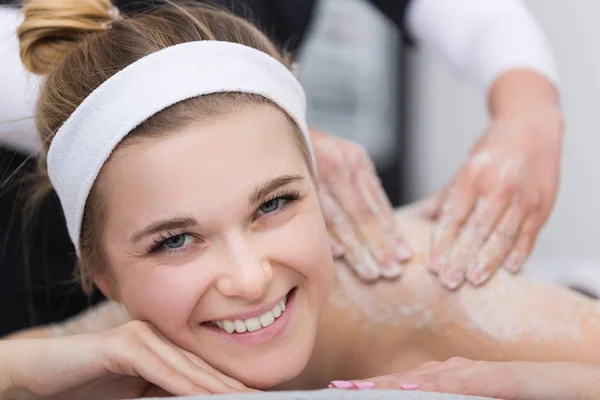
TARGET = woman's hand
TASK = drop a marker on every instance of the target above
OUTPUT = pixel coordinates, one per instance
(492, 212)
(130, 361)
(358, 213)
(502, 380)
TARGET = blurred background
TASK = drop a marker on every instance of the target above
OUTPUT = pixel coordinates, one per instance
(417, 121)
(356, 93)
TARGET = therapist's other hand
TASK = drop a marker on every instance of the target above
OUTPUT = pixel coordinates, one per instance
(502, 380)
(358, 213)
(492, 212)
(130, 361)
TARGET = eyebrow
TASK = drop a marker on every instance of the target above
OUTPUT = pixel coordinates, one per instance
(163, 225)
(271, 185)
(186, 222)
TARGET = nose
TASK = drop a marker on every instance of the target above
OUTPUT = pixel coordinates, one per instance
(247, 271)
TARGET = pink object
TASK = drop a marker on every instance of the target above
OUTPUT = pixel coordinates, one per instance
(340, 384)
(409, 386)
(364, 385)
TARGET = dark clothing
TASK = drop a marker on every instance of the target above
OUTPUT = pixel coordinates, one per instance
(39, 289)
(285, 21)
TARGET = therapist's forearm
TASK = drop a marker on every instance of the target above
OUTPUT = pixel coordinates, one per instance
(518, 90)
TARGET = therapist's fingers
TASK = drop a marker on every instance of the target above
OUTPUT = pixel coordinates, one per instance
(457, 207)
(431, 207)
(373, 193)
(471, 239)
(357, 211)
(337, 249)
(379, 227)
(497, 246)
(524, 245)
(357, 256)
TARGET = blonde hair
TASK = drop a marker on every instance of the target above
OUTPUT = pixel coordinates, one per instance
(78, 44)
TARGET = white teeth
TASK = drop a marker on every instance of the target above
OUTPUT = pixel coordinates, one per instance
(266, 319)
(228, 326)
(253, 324)
(240, 326)
(276, 311)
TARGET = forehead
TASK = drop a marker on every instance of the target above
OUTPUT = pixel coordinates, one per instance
(221, 157)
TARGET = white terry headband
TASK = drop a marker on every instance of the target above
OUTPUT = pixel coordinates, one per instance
(85, 141)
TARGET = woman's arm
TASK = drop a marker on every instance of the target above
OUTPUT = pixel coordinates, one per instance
(130, 361)
(499, 380)
(104, 316)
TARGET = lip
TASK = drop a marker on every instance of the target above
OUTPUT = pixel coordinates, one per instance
(251, 314)
(262, 335)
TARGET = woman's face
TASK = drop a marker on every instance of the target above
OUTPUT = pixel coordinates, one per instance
(209, 231)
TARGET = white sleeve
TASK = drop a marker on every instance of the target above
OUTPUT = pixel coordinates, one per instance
(481, 39)
(18, 89)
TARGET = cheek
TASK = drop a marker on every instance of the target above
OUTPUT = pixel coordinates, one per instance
(303, 246)
(164, 295)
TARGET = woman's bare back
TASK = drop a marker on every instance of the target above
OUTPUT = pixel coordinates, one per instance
(397, 325)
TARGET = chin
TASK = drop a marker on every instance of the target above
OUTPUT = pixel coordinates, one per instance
(267, 377)
(272, 366)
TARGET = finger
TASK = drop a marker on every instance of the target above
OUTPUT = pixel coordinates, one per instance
(472, 238)
(524, 245)
(362, 216)
(194, 359)
(337, 249)
(431, 207)
(497, 246)
(477, 379)
(427, 368)
(461, 200)
(200, 375)
(357, 256)
(374, 195)
(146, 364)
(228, 380)
(469, 380)
(379, 230)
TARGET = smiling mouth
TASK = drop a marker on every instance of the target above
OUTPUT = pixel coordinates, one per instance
(254, 324)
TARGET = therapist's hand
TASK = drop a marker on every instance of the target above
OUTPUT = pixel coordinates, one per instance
(358, 213)
(492, 212)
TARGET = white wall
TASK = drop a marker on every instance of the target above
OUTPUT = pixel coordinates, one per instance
(446, 118)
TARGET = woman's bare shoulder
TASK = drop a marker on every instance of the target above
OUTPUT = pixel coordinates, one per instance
(407, 301)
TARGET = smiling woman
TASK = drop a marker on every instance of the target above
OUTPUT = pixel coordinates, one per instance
(178, 148)
(239, 231)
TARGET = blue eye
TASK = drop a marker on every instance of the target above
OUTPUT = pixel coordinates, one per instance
(177, 241)
(271, 205)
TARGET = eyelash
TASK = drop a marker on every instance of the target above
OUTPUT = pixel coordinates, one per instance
(158, 243)
(289, 195)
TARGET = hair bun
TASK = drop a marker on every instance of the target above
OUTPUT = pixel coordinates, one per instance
(52, 28)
